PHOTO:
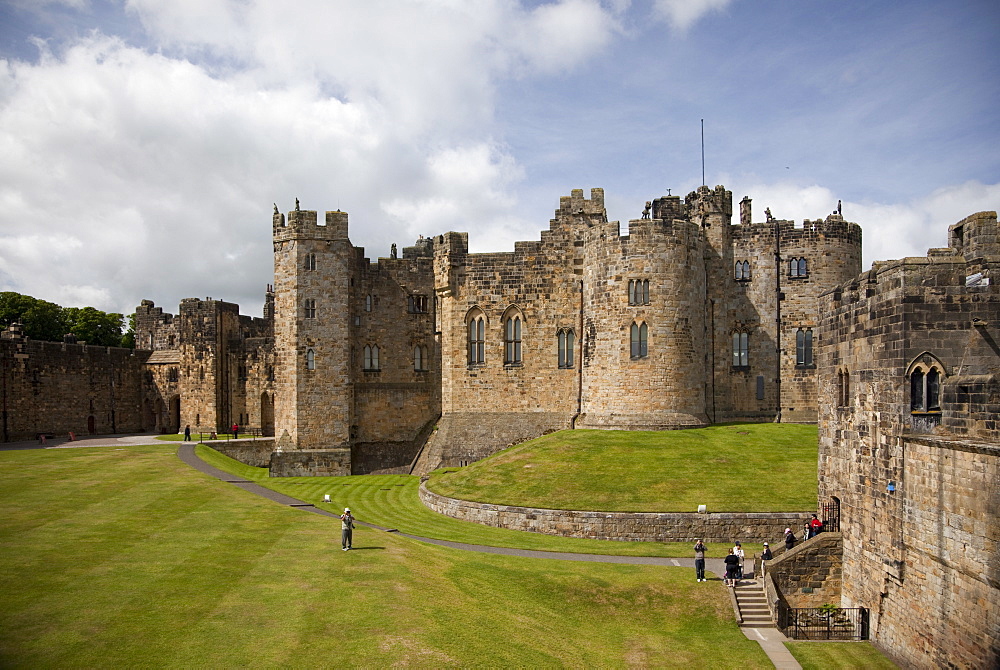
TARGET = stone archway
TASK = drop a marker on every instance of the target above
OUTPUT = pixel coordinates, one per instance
(172, 422)
(159, 416)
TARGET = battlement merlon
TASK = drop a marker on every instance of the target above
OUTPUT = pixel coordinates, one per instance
(976, 236)
(705, 202)
(304, 224)
(575, 204)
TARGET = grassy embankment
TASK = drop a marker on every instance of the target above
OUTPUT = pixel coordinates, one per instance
(125, 557)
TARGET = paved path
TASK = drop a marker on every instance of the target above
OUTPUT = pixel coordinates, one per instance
(85, 441)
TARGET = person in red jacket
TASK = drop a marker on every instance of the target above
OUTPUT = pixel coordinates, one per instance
(815, 526)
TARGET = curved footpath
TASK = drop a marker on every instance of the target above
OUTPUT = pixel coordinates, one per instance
(770, 639)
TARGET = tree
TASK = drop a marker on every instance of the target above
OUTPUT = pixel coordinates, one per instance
(48, 321)
(128, 339)
(94, 326)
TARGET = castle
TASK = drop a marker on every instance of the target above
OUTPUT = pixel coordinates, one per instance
(451, 356)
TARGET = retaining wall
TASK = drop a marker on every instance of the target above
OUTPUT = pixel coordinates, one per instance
(311, 463)
(249, 452)
(623, 526)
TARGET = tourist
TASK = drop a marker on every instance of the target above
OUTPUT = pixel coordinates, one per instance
(789, 539)
(738, 552)
(346, 528)
(187, 433)
(732, 568)
(766, 555)
(815, 527)
(699, 560)
(236, 431)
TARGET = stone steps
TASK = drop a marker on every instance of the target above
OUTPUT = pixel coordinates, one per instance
(752, 603)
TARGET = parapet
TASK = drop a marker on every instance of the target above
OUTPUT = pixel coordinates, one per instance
(976, 236)
(304, 224)
(575, 203)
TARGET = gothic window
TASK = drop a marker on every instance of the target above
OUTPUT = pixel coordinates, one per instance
(173, 374)
(566, 339)
(477, 337)
(639, 337)
(419, 358)
(925, 390)
(310, 261)
(368, 303)
(741, 349)
(797, 267)
(416, 304)
(638, 291)
(804, 348)
(170, 341)
(742, 271)
(310, 359)
(371, 358)
(512, 339)
(310, 308)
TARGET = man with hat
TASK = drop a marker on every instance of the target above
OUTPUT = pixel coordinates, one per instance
(346, 528)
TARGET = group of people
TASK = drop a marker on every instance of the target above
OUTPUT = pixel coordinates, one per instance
(735, 558)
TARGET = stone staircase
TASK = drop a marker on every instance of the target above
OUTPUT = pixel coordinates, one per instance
(752, 604)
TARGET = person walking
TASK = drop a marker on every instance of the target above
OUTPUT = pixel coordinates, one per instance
(699, 560)
(815, 527)
(346, 528)
(187, 433)
(738, 551)
(732, 567)
(236, 431)
(789, 539)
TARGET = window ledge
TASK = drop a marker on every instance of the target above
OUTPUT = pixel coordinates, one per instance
(920, 412)
(741, 368)
(513, 365)
(803, 366)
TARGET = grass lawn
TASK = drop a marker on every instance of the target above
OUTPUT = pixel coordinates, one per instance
(391, 501)
(128, 557)
(760, 467)
(840, 655)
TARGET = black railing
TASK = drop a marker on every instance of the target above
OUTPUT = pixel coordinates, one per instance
(823, 623)
(830, 516)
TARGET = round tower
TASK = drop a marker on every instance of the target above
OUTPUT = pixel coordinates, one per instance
(313, 393)
(644, 326)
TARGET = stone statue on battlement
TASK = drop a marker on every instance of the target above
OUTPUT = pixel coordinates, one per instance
(767, 213)
(645, 210)
(297, 205)
(392, 251)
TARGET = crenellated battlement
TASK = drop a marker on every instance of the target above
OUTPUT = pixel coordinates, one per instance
(304, 224)
(575, 205)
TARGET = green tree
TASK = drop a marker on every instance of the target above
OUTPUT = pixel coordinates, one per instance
(128, 339)
(94, 326)
(44, 320)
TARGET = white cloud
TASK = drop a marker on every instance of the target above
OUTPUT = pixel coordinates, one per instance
(682, 14)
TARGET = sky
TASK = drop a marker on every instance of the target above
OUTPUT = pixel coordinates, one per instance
(144, 141)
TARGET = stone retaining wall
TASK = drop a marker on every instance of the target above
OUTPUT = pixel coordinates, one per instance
(810, 574)
(311, 463)
(624, 526)
(256, 453)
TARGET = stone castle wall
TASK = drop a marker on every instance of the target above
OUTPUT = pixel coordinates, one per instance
(57, 388)
(916, 482)
(811, 573)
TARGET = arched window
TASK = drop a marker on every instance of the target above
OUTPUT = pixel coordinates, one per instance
(310, 262)
(477, 337)
(371, 357)
(933, 394)
(512, 339)
(804, 348)
(742, 270)
(741, 349)
(310, 308)
(566, 339)
(368, 303)
(925, 390)
(419, 358)
(917, 391)
(639, 337)
(797, 267)
(310, 359)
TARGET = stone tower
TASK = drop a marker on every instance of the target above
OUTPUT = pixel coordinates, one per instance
(312, 283)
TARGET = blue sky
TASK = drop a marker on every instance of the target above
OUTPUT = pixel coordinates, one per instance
(145, 141)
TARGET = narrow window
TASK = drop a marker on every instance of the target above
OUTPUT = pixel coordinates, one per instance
(742, 270)
(566, 338)
(310, 308)
(741, 352)
(793, 267)
(368, 303)
(631, 292)
(639, 340)
(477, 340)
(803, 347)
(310, 262)
(739, 271)
(419, 358)
(917, 391)
(645, 291)
(310, 359)
(802, 268)
(512, 340)
(760, 387)
(416, 304)
(933, 390)
(371, 357)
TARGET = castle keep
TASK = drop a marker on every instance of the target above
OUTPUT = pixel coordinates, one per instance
(437, 356)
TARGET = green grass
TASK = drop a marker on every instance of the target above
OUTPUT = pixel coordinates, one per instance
(391, 501)
(839, 656)
(730, 468)
(126, 557)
